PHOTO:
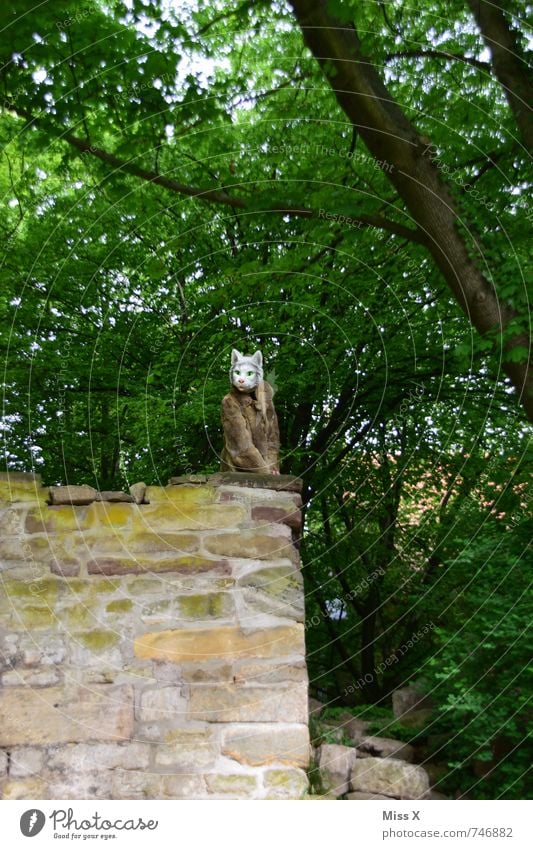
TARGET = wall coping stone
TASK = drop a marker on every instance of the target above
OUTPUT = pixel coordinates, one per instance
(280, 483)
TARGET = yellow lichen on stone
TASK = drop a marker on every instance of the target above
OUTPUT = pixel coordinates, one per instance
(206, 606)
(12, 491)
(121, 605)
(111, 515)
(37, 617)
(98, 641)
(42, 589)
(174, 516)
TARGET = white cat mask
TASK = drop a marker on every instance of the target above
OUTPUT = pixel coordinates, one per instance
(246, 373)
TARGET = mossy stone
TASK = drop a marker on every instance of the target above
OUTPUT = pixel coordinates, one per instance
(98, 640)
(121, 605)
(208, 605)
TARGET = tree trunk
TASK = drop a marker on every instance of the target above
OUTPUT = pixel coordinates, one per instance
(511, 70)
(406, 160)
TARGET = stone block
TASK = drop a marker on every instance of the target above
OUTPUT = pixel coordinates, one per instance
(257, 745)
(193, 673)
(277, 590)
(335, 765)
(133, 784)
(84, 757)
(138, 492)
(409, 700)
(156, 564)
(390, 777)
(184, 786)
(30, 678)
(12, 521)
(250, 672)
(66, 567)
(285, 784)
(26, 762)
(77, 495)
(114, 496)
(3, 763)
(385, 747)
(224, 643)
(230, 703)
(63, 715)
(236, 786)
(187, 748)
(103, 514)
(165, 703)
(206, 606)
(56, 519)
(17, 487)
(270, 515)
(280, 483)
(315, 707)
(27, 788)
(82, 785)
(185, 497)
(250, 544)
(147, 543)
(353, 797)
(172, 517)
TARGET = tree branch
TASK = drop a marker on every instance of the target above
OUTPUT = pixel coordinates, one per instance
(439, 54)
(219, 196)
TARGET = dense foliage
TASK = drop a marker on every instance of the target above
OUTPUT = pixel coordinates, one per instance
(179, 179)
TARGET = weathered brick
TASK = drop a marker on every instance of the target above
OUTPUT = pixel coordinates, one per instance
(258, 745)
(61, 715)
(292, 518)
(249, 544)
(136, 566)
(230, 703)
(225, 643)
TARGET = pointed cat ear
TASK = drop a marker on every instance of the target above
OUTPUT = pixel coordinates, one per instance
(235, 357)
(258, 359)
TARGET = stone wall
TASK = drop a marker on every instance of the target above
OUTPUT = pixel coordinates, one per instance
(153, 650)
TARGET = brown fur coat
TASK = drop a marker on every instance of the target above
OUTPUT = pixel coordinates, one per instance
(251, 434)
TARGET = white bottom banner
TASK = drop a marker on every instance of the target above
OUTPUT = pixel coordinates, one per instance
(271, 824)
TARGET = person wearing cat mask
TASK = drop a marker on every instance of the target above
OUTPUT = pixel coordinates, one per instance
(251, 434)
